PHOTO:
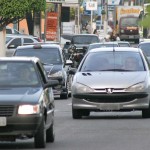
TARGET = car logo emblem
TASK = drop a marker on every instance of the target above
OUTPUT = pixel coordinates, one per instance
(109, 91)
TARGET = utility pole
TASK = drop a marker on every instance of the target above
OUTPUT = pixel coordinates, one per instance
(106, 17)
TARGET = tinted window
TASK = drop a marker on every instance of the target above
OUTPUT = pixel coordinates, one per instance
(84, 39)
(8, 31)
(16, 42)
(101, 45)
(113, 61)
(48, 56)
(8, 39)
(18, 74)
(27, 40)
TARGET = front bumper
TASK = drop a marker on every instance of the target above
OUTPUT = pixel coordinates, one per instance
(113, 102)
(21, 125)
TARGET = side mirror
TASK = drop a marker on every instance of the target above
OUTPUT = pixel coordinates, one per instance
(69, 62)
(51, 83)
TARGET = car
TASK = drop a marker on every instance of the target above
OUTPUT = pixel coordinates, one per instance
(104, 44)
(14, 40)
(124, 43)
(145, 47)
(111, 79)
(55, 64)
(26, 101)
(10, 30)
(81, 41)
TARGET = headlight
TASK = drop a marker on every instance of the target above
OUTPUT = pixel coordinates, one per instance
(57, 74)
(136, 88)
(28, 109)
(80, 88)
(122, 31)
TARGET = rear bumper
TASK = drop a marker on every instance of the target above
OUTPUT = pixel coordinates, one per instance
(129, 37)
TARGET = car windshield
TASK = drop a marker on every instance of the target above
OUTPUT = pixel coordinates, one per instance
(84, 39)
(46, 55)
(18, 74)
(102, 45)
(145, 48)
(113, 61)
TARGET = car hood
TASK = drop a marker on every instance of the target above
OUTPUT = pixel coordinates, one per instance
(25, 95)
(110, 79)
(53, 68)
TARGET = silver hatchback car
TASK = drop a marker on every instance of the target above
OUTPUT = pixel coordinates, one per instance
(111, 79)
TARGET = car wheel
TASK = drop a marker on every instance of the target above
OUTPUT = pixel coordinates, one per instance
(63, 96)
(40, 136)
(76, 113)
(50, 134)
(146, 113)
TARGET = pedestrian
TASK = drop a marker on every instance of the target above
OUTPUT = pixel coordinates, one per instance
(95, 32)
(117, 37)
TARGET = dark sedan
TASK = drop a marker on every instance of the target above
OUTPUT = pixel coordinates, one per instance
(26, 101)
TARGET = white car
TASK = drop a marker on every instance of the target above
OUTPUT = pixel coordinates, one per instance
(15, 40)
(111, 79)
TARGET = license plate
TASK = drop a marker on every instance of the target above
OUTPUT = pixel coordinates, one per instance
(109, 106)
(131, 37)
(2, 121)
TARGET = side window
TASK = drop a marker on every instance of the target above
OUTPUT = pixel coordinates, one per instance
(27, 40)
(8, 31)
(15, 43)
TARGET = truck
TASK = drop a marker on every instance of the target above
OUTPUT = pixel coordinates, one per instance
(126, 22)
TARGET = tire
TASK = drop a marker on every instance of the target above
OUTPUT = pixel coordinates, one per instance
(146, 113)
(63, 96)
(50, 134)
(76, 113)
(40, 136)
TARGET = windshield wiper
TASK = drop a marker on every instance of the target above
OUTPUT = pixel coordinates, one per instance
(47, 64)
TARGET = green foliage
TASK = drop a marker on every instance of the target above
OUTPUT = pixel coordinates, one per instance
(14, 10)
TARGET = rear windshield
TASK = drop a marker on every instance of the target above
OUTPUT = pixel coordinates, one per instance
(85, 39)
(101, 45)
(47, 56)
(113, 61)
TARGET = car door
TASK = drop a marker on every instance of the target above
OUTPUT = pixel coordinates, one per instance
(12, 45)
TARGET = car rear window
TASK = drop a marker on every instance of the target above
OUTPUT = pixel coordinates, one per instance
(85, 39)
(46, 55)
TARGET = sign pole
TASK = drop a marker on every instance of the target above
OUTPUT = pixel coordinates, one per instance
(91, 21)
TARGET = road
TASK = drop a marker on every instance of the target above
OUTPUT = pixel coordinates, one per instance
(99, 131)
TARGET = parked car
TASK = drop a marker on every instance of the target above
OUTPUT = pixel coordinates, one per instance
(54, 63)
(13, 41)
(26, 101)
(124, 43)
(104, 44)
(145, 47)
(10, 30)
(111, 79)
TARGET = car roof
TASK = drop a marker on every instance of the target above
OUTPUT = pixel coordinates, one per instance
(38, 46)
(131, 49)
(28, 59)
(19, 35)
(104, 43)
(84, 35)
(144, 42)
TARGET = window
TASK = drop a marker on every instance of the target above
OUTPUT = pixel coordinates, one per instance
(16, 42)
(27, 40)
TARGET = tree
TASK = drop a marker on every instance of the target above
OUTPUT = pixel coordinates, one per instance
(12, 11)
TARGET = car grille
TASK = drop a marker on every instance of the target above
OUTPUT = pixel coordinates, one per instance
(6, 110)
